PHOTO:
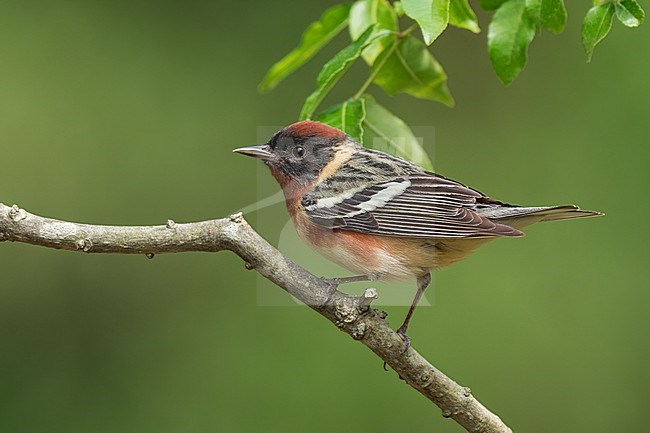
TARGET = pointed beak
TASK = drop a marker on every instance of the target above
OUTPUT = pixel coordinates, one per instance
(261, 152)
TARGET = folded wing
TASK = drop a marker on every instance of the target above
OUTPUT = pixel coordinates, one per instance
(422, 205)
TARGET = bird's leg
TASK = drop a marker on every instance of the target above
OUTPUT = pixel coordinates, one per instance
(423, 283)
(355, 278)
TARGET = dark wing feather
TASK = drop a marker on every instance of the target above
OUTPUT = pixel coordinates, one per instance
(421, 205)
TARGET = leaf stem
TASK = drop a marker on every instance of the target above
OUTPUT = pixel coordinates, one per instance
(407, 31)
(383, 61)
(374, 73)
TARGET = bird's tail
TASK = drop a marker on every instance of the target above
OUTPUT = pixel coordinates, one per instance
(556, 213)
(519, 217)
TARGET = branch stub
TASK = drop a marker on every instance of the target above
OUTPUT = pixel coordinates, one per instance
(237, 217)
(17, 214)
(84, 244)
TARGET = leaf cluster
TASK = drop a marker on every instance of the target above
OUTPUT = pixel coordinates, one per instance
(400, 62)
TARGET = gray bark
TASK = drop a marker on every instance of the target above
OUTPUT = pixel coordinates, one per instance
(352, 315)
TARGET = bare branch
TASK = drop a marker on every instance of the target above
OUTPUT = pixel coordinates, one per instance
(352, 315)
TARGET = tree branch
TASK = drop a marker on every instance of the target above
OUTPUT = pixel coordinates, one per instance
(352, 315)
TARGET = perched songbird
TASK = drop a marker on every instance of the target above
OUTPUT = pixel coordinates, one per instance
(381, 216)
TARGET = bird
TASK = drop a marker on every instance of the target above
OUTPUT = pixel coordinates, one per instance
(381, 216)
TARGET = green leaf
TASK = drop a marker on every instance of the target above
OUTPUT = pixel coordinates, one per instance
(315, 37)
(408, 67)
(595, 26)
(509, 35)
(534, 11)
(630, 13)
(390, 134)
(461, 15)
(553, 14)
(399, 9)
(431, 15)
(336, 67)
(490, 5)
(346, 116)
(363, 14)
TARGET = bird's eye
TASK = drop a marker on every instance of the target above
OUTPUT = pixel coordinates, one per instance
(299, 151)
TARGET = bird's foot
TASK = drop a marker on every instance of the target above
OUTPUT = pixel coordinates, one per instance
(334, 283)
(401, 331)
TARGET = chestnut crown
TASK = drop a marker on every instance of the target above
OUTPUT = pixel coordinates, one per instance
(300, 151)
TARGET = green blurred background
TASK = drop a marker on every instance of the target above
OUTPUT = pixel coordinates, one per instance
(126, 112)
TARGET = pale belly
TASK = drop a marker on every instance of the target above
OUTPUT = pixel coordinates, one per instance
(369, 261)
(388, 258)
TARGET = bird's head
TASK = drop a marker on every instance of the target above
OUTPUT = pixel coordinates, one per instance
(298, 153)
